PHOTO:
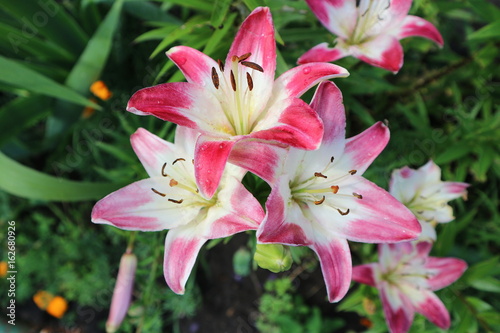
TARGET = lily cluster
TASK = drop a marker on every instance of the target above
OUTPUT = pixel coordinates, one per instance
(234, 117)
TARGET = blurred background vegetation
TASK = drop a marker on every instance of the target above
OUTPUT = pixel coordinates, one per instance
(63, 147)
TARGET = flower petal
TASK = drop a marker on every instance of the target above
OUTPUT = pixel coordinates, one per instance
(195, 65)
(329, 105)
(182, 103)
(298, 80)
(153, 152)
(446, 271)
(181, 250)
(428, 304)
(210, 159)
(376, 218)
(338, 16)
(322, 53)
(256, 36)
(137, 207)
(284, 222)
(383, 51)
(364, 274)
(259, 157)
(362, 149)
(398, 310)
(335, 259)
(416, 26)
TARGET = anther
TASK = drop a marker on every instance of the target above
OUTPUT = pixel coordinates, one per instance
(359, 196)
(388, 4)
(319, 202)
(244, 57)
(331, 159)
(177, 160)
(250, 82)
(163, 170)
(173, 182)
(176, 201)
(353, 172)
(221, 65)
(335, 189)
(343, 213)
(233, 81)
(319, 174)
(157, 192)
(253, 65)
(215, 78)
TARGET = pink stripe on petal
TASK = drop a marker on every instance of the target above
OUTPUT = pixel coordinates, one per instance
(322, 53)
(152, 151)
(256, 36)
(258, 157)
(416, 26)
(362, 149)
(399, 8)
(328, 103)
(338, 16)
(209, 162)
(195, 65)
(298, 80)
(364, 274)
(181, 251)
(400, 318)
(384, 51)
(298, 126)
(433, 309)
(335, 260)
(445, 271)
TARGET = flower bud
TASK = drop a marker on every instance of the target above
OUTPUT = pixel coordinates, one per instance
(274, 257)
(122, 294)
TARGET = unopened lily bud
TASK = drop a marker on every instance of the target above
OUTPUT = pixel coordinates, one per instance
(122, 294)
(274, 257)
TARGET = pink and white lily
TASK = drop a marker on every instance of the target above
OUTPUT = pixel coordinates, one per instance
(320, 199)
(170, 199)
(423, 192)
(406, 277)
(238, 106)
(369, 31)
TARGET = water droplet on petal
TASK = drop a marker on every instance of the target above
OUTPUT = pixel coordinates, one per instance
(306, 70)
(181, 61)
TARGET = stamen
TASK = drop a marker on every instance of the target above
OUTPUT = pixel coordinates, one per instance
(173, 182)
(343, 213)
(176, 201)
(215, 78)
(388, 4)
(335, 189)
(233, 81)
(319, 174)
(163, 170)
(359, 196)
(319, 202)
(250, 82)
(177, 160)
(252, 65)
(221, 65)
(192, 161)
(157, 192)
(244, 57)
(353, 172)
(331, 159)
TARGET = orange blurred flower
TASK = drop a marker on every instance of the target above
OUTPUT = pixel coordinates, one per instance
(3, 268)
(56, 306)
(89, 111)
(100, 89)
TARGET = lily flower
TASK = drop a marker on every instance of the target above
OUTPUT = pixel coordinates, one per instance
(406, 277)
(321, 200)
(238, 106)
(369, 31)
(423, 192)
(170, 199)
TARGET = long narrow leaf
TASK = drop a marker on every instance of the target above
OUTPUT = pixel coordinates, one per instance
(25, 182)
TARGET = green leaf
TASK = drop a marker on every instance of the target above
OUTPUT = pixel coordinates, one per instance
(25, 182)
(202, 5)
(219, 11)
(18, 114)
(252, 4)
(18, 75)
(488, 284)
(491, 31)
(219, 34)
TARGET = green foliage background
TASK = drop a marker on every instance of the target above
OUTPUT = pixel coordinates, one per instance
(54, 163)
